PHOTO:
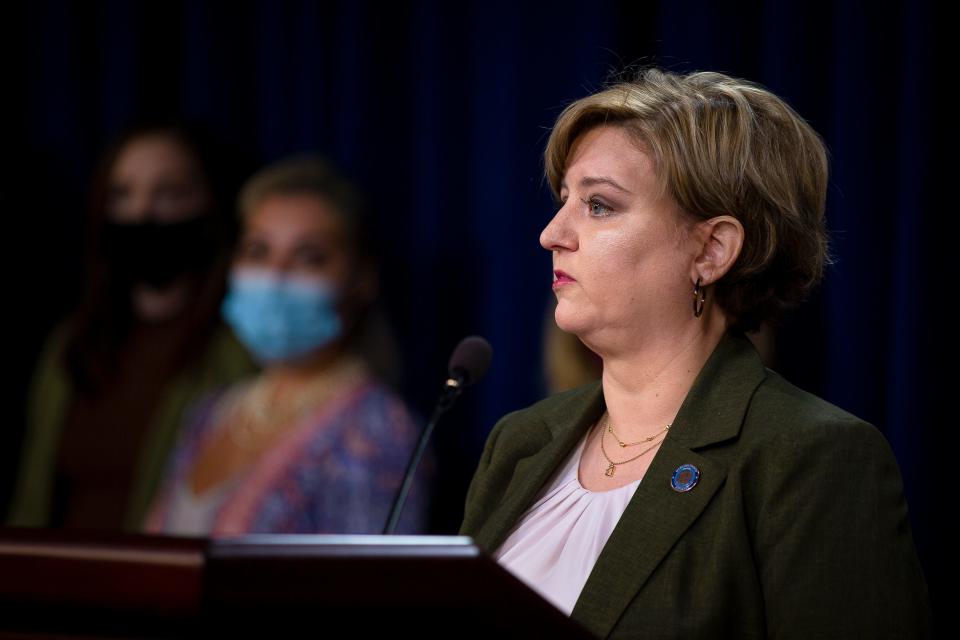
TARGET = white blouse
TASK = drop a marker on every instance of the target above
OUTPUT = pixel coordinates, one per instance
(558, 540)
(193, 515)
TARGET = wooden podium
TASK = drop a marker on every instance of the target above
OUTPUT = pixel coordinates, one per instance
(59, 584)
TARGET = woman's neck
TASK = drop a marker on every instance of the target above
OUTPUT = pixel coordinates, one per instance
(644, 388)
(290, 380)
(302, 372)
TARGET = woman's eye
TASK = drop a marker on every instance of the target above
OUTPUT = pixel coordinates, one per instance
(597, 208)
(313, 257)
(253, 251)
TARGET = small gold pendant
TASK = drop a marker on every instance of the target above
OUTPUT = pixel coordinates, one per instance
(610, 470)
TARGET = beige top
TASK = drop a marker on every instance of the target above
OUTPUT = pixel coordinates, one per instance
(558, 540)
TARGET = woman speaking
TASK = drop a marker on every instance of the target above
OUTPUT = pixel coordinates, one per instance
(692, 492)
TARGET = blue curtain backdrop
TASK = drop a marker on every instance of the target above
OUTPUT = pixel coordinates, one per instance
(441, 111)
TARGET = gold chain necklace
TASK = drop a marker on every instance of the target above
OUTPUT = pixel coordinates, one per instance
(612, 468)
(631, 444)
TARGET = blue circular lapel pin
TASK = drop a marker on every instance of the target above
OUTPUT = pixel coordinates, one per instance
(685, 478)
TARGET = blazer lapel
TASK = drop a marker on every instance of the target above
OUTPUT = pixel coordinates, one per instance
(658, 516)
(550, 437)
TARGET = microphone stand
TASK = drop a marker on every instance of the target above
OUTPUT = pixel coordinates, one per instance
(451, 391)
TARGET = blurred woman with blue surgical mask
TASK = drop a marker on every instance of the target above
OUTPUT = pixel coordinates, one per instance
(316, 443)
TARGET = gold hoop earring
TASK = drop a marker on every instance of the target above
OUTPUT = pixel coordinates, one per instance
(699, 298)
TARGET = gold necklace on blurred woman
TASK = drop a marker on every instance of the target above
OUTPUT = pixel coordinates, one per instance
(258, 412)
(252, 417)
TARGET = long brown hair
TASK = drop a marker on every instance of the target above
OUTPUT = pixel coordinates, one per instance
(103, 318)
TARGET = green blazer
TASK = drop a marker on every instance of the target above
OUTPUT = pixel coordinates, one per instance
(223, 361)
(797, 527)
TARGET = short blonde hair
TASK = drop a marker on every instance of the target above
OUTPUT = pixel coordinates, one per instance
(312, 175)
(722, 145)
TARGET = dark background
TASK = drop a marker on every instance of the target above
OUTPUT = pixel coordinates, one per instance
(441, 111)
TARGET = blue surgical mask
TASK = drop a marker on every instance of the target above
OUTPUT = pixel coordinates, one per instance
(280, 318)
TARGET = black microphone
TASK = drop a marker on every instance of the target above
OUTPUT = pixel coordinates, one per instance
(469, 362)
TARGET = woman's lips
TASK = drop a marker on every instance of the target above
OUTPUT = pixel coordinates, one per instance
(560, 278)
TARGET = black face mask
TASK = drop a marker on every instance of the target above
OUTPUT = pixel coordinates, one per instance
(157, 254)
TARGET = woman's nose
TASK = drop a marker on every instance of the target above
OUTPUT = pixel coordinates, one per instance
(282, 265)
(558, 234)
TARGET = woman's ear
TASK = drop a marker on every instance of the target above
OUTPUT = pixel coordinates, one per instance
(719, 241)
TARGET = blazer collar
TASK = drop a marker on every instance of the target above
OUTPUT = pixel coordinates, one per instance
(540, 447)
(657, 516)
(711, 412)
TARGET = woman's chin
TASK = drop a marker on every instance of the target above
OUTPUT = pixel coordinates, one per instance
(569, 322)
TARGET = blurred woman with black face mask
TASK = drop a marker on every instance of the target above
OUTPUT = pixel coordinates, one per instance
(144, 341)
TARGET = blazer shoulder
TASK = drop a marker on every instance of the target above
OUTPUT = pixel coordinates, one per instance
(786, 427)
(818, 482)
(517, 435)
(538, 421)
(781, 409)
